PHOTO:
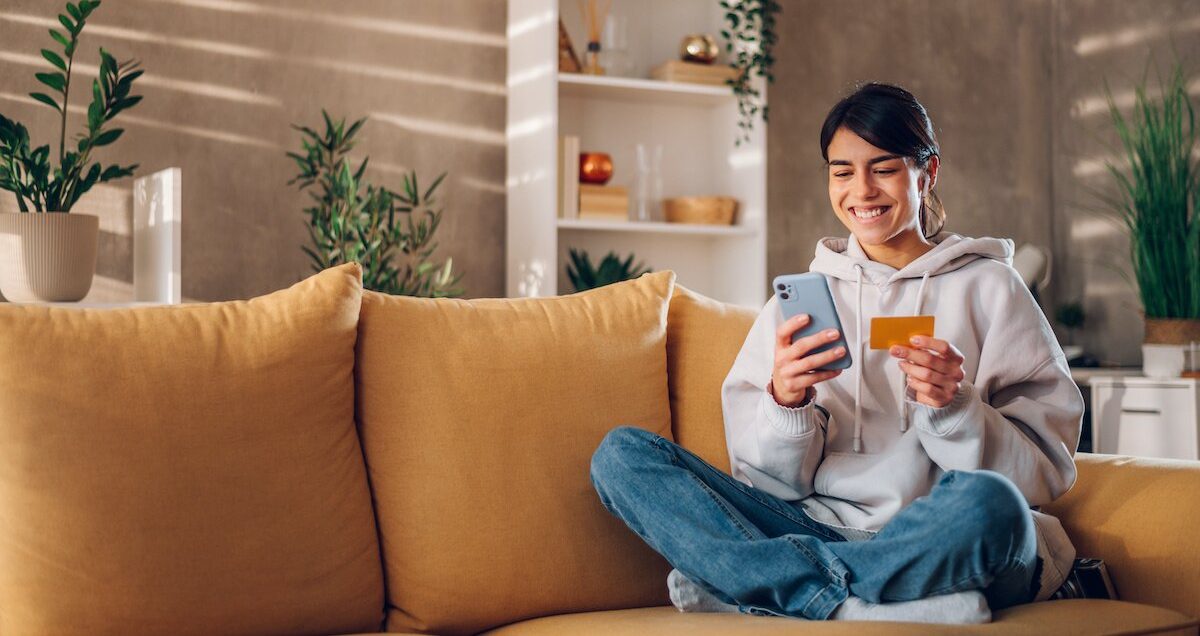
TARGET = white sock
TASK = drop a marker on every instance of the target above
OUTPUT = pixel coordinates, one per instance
(953, 609)
(689, 597)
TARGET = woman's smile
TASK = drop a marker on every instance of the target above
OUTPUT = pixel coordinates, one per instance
(870, 215)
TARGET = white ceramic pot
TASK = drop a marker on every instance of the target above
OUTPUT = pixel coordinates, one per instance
(1163, 361)
(47, 257)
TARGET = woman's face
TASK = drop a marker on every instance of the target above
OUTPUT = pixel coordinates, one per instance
(876, 194)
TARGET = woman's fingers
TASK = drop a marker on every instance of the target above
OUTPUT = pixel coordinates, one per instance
(783, 333)
(807, 344)
(941, 347)
(813, 362)
(930, 360)
(930, 394)
(928, 375)
(796, 383)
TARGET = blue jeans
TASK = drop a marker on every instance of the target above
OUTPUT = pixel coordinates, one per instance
(748, 548)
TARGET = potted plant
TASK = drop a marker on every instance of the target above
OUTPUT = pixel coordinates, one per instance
(1158, 205)
(45, 253)
(389, 233)
(584, 275)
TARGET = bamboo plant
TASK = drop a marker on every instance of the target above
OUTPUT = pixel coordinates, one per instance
(389, 233)
(1157, 200)
(27, 172)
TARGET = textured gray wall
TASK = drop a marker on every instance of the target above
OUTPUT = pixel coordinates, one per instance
(1009, 86)
(1099, 40)
(224, 79)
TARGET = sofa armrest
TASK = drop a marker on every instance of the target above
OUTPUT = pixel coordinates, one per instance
(1142, 516)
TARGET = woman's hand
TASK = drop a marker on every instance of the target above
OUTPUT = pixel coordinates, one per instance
(795, 371)
(934, 369)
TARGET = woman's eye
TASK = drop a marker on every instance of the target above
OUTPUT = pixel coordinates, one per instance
(886, 171)
(841, 174)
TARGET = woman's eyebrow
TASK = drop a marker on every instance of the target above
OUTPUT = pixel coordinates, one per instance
(881, 158)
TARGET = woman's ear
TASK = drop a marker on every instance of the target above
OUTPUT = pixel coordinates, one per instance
(931, 171)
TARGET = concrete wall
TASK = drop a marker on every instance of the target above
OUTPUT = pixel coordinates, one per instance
(225, 78)
(1012, 88)
(1098, 40)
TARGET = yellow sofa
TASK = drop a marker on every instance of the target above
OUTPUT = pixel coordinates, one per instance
(324, 460)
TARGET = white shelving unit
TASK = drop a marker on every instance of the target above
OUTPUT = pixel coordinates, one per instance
(696, 125)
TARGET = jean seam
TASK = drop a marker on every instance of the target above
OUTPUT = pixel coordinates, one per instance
(829, 574)
(721, 504)
(951, 588)
(807, 523)
(816, 597)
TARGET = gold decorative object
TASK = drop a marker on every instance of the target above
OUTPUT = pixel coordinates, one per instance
(716, 210)
(594, 12)
(698, 47)
(595, 167)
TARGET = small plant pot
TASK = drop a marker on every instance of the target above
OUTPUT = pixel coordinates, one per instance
(47, 257)
(1169, 347)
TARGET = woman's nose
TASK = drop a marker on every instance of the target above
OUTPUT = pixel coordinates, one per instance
(863, 185)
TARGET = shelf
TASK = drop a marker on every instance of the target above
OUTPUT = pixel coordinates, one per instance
(644, 91)
(656, 228)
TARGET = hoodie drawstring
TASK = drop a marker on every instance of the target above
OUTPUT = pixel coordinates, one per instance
(858, 364)
(904, 383)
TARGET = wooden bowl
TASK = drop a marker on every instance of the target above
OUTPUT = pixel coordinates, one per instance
(701, 210)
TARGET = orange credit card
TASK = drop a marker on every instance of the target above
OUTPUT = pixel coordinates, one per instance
(896, 330)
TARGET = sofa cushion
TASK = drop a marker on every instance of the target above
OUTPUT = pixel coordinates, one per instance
(479, 419)
(1055, 617)
(1140, 515)
(703, 338)
(186, 470)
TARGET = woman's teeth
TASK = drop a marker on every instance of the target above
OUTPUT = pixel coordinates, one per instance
(869, 213)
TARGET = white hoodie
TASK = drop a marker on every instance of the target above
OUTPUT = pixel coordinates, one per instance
(1018, 412)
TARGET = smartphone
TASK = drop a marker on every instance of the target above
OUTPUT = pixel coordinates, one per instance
(809, 294)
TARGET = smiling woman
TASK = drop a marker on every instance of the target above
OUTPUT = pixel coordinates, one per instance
(883, 162)
(905, 480)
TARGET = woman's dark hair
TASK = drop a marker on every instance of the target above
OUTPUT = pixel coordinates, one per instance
(890, 118)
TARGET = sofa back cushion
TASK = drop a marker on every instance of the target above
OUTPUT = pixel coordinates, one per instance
(1139, 515)
(479, 419)
(703, 338)
(186, 470)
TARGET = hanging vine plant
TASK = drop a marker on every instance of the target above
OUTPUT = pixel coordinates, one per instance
(750, 42)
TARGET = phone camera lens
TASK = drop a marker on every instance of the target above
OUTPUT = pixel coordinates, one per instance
(783, 296)
(780, 287)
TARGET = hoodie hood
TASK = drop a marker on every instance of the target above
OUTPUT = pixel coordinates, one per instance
(837, 257)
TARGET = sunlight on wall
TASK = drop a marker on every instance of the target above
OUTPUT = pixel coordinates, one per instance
(530, 126)
(494, 187)
(1090, 229)
(119, 33)
(1124, 100)
(1102, 42)
(202, 89)
(531, 74)
(441, 129)
(527, 25)
(175, 127)
(362, 23)
(233, 50)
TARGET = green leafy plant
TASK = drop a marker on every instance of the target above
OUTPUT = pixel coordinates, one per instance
(26, 171)
(1157, 199)
(352, 220)
(612, 269)
(750, 42)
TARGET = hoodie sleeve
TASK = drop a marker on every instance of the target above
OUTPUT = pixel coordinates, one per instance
(772, 447)
(1021, 415)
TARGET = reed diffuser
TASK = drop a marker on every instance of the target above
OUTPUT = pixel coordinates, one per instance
(594, 12)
